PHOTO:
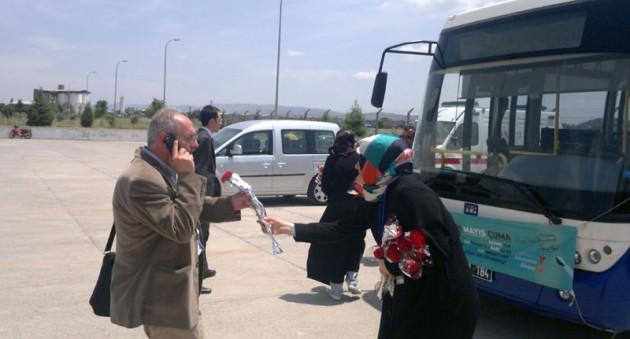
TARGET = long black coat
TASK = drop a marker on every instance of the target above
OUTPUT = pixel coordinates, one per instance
(328, 263)
(443, 303)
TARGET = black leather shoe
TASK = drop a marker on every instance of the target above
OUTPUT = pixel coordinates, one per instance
(209, 273)
(205, 290)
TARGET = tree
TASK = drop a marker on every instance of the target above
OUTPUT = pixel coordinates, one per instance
(355, 120)
(42, 113)
(87, 118)
(257, 116)
(19, 107)
(8, 110)
(155, 106)
(100, 109)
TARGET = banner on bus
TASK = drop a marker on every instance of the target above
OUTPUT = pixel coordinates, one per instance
(542, 254)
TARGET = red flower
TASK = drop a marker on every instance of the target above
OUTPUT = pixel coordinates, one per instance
(392, 254)
(226, 176)
(417, 239)
(412, 268)
(418, 254)
(379, 253)
(404, 244)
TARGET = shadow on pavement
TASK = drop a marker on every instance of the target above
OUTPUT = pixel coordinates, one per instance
(369, 262)
(371, 298)
(318, 297)
(286, 201)
(499, 319)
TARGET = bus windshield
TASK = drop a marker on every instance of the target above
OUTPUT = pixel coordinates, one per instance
(557, 125)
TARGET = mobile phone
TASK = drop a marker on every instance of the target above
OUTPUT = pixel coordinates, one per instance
(169, 139)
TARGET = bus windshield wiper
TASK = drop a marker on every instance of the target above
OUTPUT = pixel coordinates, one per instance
(532, 194)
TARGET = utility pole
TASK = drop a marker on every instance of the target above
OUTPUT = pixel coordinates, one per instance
(378, 113)
(116, 83)
(278, 62)
(164, 88)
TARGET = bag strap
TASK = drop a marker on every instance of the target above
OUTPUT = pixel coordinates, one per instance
(110, 241)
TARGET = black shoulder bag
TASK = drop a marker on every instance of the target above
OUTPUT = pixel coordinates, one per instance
(100, 296)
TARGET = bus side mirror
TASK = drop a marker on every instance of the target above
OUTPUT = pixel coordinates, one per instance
(378, 92)
(235, 150)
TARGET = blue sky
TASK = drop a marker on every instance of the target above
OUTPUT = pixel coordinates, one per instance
(227, 53)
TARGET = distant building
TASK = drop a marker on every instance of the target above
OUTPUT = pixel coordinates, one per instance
(68, 101)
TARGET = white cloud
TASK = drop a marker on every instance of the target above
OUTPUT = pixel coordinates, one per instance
(295, 53)
(364, 75)
(439, 6)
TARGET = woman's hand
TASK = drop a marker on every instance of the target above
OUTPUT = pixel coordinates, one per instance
(279, 226)
(383, 269)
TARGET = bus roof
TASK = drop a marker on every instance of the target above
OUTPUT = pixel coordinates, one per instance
(498, 10)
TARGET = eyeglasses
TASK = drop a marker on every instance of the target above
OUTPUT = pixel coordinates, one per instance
(189, 138)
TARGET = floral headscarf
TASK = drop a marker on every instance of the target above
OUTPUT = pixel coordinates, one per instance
(384, 157)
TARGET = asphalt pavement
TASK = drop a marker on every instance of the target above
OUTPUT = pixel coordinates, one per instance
(55, 216)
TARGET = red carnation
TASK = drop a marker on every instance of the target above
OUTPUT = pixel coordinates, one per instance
(417, 239)
(392, 254)
(411, 268)
(418, 254)
(379, 253)
(404, 244)
(226, 176)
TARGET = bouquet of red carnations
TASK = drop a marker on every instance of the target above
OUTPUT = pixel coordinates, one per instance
(407, 249)
(258, 207)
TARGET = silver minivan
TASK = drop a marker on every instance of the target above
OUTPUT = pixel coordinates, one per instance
(276, 157)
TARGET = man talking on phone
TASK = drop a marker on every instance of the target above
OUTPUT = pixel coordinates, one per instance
(158, 204)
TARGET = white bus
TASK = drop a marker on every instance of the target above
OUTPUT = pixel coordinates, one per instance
(571, 172)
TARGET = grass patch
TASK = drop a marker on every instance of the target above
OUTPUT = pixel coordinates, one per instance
(16, 119)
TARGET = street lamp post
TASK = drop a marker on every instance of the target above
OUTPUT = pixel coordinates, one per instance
(278, 61)
(164, 88)
(116, 82)
(87, 80)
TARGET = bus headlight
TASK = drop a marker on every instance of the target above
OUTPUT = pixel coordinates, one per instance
(577, 258)
(564, 295)
(594, 256)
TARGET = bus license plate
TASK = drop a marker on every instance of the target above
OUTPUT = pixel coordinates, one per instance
(482, 273)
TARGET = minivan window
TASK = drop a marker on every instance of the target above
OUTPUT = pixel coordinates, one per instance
(294, 142)
(224, 135)
(255, 143)
(323, 141)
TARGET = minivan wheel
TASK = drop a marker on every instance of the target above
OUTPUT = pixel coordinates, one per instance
(316, 194)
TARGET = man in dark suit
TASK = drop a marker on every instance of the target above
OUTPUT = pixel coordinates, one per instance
(205, 165)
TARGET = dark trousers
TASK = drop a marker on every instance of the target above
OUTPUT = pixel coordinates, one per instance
(205, 234)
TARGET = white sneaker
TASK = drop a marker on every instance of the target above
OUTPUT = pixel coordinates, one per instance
(353, 283)
(336, 291)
